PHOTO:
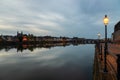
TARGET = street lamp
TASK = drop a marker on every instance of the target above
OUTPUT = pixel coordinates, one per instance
(99, 35)
(105, 20)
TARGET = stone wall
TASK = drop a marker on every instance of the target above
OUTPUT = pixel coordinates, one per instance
(116, 33)
(116, 36)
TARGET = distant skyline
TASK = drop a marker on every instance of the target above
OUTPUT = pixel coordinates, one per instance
(71, 18)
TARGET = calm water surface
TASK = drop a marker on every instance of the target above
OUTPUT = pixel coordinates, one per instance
(58, 63)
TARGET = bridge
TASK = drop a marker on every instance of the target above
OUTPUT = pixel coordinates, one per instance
(90, 41)
(86, 41)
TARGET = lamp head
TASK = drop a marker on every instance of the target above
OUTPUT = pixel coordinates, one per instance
(105, 20)
(99, 34)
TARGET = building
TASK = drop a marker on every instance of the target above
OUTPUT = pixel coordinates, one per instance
(22, 37)
(116, 33)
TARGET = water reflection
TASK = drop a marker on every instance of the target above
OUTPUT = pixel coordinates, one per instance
(31, 47)
(58, 63)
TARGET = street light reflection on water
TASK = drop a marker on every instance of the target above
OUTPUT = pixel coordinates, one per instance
(58, 63)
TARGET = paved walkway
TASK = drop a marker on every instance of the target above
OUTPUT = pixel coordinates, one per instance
(111, 63)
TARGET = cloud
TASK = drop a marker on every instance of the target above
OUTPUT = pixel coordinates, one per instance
(57, 17)
(98, 6)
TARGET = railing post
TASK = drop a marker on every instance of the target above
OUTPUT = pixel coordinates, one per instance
(118, 67)
(101, 51)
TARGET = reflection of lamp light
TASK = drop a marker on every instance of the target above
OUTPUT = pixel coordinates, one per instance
(25, 38)
(105, 20)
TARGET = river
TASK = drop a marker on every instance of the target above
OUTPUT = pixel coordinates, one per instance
(55, 63)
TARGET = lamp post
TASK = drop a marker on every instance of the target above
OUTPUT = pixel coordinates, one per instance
(105, 20)
(99, 35)
(100, 45)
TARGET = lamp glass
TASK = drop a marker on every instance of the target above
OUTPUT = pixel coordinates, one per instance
(99, 34)
(106, 20)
